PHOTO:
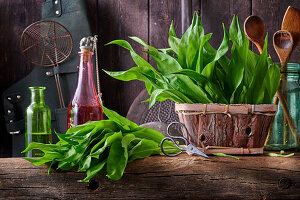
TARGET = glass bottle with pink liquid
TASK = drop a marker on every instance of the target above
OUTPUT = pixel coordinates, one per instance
(85, 105)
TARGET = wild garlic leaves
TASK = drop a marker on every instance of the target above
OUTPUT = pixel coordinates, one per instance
(192, 71)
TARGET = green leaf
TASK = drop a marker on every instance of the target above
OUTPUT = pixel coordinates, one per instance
(200, 59)
(85, 164)
(215, 93)
(196, 41)
(224, 47)
(172, 30)
(183, 46)
(116, 161)
(140, 41)
(166, 64)
(43, 147)
(100, 143)
(271, 81)
(65, 165)
(108, 142)
(280, 155)
(226, 155)
(134, 73)
(122, 121)
(187, 87)
(93, 171)
(163, 94)
(139, 61)
(48, 157)
(144, 149)
(174, 43)
(256, 91)
(66, 138)
(148, 133)
(222, 50)
(79, 128)
(233, 31)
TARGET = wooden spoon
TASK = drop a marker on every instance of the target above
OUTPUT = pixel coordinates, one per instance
(254, 28)
(283, 44)
(291, 23)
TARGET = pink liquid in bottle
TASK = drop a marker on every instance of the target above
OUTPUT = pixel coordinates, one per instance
(85, 105)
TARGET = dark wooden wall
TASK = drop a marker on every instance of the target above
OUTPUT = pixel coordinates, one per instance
(118, 19)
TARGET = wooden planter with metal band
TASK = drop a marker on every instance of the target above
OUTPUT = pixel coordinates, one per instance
(232, 129)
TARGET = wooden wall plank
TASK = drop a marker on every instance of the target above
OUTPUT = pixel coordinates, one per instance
(161, 14)
(272, 13)
(92, 6)
(196, 6)
(119, 19)
(15, 16)
(214, 13)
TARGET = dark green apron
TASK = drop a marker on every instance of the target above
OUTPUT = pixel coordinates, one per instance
(72, 14)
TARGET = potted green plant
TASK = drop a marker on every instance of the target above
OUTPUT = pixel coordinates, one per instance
(223, 101)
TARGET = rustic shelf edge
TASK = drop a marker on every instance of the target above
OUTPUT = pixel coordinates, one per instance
(158, 177)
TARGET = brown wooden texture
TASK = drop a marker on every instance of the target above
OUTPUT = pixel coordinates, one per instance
(117, 19)
(157, 177)
(244, 131)
(229, 130)
(15, 16)
(214, 13)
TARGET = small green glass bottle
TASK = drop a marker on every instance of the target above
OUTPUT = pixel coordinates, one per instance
(37, 121)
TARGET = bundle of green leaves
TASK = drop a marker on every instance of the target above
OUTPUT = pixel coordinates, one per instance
(101, 147)
(192, 71)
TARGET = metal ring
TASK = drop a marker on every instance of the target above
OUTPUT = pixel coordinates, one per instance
(187, 133)
(162, 149)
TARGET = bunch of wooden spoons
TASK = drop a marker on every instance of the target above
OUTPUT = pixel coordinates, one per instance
(284, 42)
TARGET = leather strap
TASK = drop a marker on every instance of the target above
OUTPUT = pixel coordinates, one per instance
(62, 70)
(66, 6)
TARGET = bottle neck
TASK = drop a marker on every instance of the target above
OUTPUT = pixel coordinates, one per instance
(85, 74)
(37, 95)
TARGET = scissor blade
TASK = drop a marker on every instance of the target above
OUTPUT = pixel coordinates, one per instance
(191, 149)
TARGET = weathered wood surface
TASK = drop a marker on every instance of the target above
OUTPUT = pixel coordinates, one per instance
(157, 177)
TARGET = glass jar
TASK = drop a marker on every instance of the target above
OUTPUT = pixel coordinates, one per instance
(37, 121)
(281, 137)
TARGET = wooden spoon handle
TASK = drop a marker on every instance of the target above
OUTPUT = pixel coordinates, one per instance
(260, 46)
(286, 112)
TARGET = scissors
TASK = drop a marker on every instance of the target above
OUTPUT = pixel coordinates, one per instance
(189, 149)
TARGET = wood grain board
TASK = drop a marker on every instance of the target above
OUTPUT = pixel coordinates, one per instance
(158, 177)
(118, 19)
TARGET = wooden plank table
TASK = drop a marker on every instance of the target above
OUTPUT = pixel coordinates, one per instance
(160, 177)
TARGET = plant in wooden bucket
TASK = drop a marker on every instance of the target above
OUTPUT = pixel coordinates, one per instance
(223, 101)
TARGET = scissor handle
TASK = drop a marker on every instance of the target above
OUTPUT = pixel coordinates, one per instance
(168, 154)
(175, 137)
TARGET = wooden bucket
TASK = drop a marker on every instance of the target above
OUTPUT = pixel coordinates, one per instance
(241, 128)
